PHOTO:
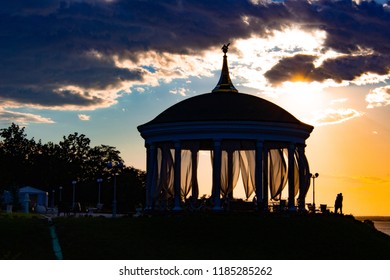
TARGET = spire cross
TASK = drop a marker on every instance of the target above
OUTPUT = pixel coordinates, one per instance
(225, 48)
(224, 83)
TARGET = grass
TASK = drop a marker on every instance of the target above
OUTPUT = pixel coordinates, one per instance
(244, 236)
(24, 236)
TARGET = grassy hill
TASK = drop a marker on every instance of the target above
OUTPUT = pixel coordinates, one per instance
(207, 236)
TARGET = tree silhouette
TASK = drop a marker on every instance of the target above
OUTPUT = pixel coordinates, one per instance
(15, 152)
(48, 166)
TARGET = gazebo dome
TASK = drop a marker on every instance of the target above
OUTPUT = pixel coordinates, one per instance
(225, 106)
(244, 134)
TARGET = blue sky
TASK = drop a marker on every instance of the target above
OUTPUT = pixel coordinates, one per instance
(103, 67)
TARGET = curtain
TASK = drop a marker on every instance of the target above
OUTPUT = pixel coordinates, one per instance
(186, 173)
(277, 170)
(165, 175)
(189, 166)
(304, 165)
(230, 170)
(296, 172)
(247, 166)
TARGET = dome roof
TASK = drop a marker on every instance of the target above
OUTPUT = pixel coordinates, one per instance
(224, 106)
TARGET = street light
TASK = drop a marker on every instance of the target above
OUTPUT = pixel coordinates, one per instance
(115, 168)
(74, 187)
(52, 198)
(99, 181)
(314, 176)
(60, 193)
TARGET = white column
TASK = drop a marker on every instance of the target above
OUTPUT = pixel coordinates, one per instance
(194, 178)
(230, 173)
(265, 179)
(150, 166)
(302, 183)
(291, 181)
(217, 159)
(259, 175)
(177, 178)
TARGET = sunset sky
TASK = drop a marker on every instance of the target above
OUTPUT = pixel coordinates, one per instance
(103, 67)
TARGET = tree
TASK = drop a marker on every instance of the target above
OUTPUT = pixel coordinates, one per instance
(47, 166)
(15, 153)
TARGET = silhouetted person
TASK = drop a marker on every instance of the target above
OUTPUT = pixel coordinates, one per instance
(338, 204)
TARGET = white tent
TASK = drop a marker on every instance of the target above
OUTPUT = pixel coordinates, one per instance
(36, 196)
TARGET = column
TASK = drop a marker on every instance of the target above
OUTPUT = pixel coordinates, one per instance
(177, 178)
(194, 178)
(265, 179)
(302, 181)
(217, 161)
(291, 179)
(259, 175)
(230, 173)
(150, 170)
(162, 183)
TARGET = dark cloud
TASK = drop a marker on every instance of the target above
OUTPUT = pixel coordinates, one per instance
(49, 97)
(343, 68)
(297, 68)
(351, 29)
(45, 44)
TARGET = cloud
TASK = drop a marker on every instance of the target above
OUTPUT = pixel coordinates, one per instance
(22, 118)
(335, 116)
(339, 100)
(84, 117)
(83, 54)
(343, 68)
(378, 97)
(180, 91)
(140, 89)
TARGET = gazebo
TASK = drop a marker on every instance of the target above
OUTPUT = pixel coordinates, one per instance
(244, 134)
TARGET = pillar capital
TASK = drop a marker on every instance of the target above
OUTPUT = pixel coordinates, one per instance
(177, 144)
(291, 146)
(259, 144)
(217, 142)
(150, 145)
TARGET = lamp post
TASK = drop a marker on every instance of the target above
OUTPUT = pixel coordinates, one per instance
(115, 169)
(73, 200)
(99, 181)
(52, 198)
(60, 193)
(314, 176)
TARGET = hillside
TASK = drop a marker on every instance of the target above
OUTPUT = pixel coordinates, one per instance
(238, 236)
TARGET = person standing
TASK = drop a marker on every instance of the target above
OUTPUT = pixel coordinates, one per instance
(338, 205)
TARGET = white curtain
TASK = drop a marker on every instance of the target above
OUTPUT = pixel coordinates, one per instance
(277, 172)
(237, 156)
(296, 173)
(233, 158)
(247, 166)
(186, 173)
(304, 165)
(165, 169)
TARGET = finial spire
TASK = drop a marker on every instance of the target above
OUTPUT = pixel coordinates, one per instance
(224, 83)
